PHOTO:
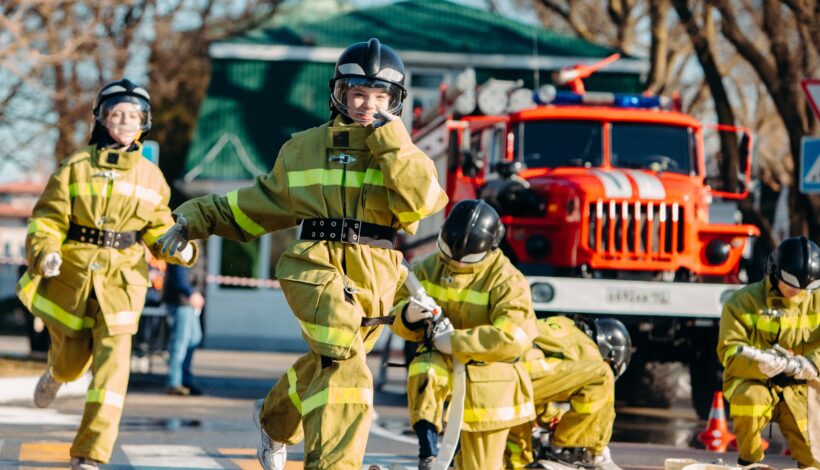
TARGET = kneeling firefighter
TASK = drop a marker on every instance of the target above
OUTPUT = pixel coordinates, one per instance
(781, 311)
(488, 302)
(566, 365)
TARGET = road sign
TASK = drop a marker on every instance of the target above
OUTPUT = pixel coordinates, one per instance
(811, 88)
(810, 165)
(150, 150)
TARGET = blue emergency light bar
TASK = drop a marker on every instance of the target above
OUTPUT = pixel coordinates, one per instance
(618, 100)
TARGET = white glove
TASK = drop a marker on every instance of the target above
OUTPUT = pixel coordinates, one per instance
(442, 333)
(175, 239)
(50, 266)
(187, 253)
(421, 309)
(773, 366)
(382, 117)
(807, 370)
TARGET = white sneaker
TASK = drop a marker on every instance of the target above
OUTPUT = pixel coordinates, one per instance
(82, 463)
(272, 455)
(46, 390)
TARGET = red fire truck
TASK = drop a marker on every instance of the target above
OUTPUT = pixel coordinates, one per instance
(607, 210)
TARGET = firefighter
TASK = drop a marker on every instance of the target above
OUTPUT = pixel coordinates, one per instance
(353, 182)
(489, 304)
(784, 309)
(566, 365)
(87, 277)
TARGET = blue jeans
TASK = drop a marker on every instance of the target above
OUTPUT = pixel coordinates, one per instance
(186, 334)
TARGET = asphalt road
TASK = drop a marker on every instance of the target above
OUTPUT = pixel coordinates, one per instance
(215, 430)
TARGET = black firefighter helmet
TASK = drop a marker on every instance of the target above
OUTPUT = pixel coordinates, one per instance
(368, 64)
(796, 261)
(113, 93)
(472, 230)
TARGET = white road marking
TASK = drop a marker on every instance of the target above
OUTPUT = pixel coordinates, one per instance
(169, 456)
(35, 416)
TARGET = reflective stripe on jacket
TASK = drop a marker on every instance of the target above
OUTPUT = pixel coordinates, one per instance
(490, 306)
(109, 190)
(332, 171)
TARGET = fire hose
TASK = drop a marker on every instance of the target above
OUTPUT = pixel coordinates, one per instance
(452, 431)
(793, 366)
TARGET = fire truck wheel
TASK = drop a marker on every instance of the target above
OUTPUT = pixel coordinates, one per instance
(651, 384)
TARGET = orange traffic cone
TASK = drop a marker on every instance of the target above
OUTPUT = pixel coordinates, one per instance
(717, 436)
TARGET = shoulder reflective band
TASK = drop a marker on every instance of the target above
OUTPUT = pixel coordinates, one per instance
(456, 295)
(88, 189)
(242, 219)
(137, 191)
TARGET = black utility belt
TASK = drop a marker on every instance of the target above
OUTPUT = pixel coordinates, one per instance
(106, 238)
(349, 231)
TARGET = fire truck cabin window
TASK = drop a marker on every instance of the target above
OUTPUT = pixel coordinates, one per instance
(551, 144)
(653, 147)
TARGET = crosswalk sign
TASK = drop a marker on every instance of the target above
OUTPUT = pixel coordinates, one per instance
(810, 165)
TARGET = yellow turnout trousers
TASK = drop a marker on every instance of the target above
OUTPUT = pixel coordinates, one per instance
(588, 386)
(332, 401)
(109, 358)
(754, 405)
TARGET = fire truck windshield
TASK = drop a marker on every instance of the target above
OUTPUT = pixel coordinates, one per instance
(550, 144)
(653, 147)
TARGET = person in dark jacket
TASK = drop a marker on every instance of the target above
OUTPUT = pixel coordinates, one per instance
(183, 297)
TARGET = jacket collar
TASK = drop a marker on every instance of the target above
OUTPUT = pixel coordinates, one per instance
(118, 159)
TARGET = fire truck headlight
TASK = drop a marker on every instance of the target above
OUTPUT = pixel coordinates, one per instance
(717, 252)
(542, 292)
(537, 246)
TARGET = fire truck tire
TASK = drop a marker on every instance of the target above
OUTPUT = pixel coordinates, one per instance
(652, 384)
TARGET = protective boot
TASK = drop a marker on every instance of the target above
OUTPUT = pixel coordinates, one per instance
(426, 463)
(82, 463)
(573, 456)
(46, 390)
(272, 455)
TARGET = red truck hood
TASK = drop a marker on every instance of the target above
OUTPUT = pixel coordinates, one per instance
(618, 184)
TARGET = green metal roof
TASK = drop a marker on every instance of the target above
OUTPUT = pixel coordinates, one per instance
(427, 25)
(256, 100)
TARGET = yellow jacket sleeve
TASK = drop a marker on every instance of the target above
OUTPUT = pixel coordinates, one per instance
(409, 175)
(735, 330)
(246, 213)
(512, 329)
(159, 224)
(48, 225)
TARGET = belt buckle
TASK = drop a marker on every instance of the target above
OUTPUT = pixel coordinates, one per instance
(107, 237)
(355, 227)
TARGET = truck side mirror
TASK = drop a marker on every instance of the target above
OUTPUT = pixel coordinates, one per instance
(471, 164)
(507, 168)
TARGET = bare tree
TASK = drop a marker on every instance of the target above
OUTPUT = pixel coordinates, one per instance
(55, 55)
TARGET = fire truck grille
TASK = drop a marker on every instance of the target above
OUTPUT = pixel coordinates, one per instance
(638, 230)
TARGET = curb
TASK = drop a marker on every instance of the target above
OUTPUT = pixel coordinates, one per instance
(22, 388)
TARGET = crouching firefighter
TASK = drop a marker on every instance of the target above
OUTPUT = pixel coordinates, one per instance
(567, 367)
(87, 277)
(489, 304)
(352, 182)
(780, 312)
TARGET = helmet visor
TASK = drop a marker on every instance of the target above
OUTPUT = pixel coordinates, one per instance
(471, 258)
(125, 112)
(361, 98)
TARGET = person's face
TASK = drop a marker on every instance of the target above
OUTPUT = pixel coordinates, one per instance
(363, 102)
(789, 291)
(123, 123)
